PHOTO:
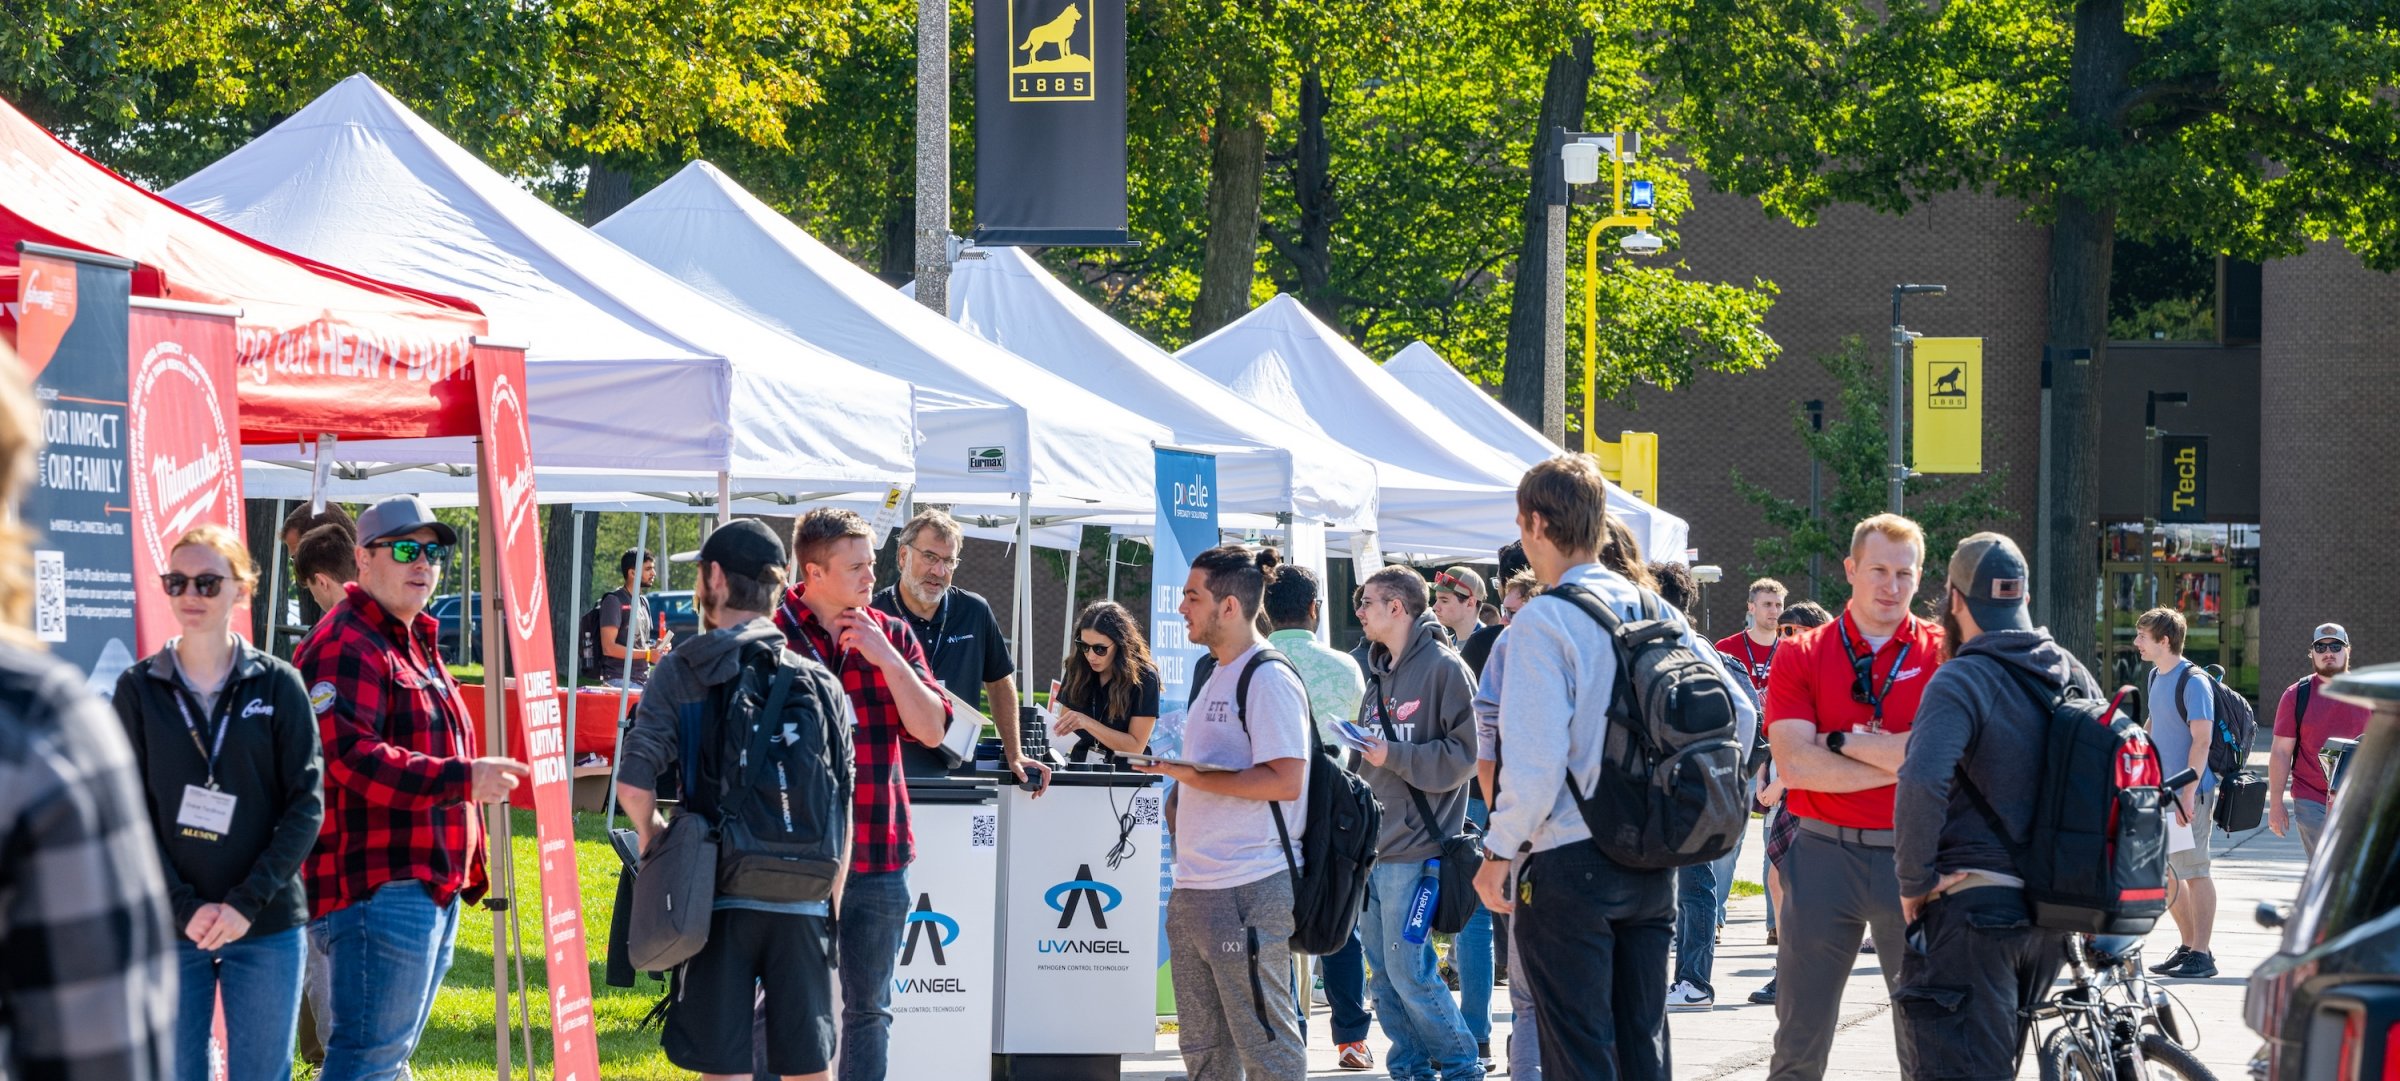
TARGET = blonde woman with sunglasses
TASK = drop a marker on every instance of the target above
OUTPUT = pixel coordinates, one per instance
(231, 764)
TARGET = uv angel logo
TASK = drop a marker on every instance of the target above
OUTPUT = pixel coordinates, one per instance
(933, 928)
(512, 451)
(1096, 896)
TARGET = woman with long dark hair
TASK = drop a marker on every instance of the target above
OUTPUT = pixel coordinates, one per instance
(1108, 696)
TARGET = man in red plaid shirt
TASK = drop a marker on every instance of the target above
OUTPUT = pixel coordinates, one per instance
(883, 670)
(401, 845)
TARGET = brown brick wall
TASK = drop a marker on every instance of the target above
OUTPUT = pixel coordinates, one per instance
(1836, 280)
(2331, 355)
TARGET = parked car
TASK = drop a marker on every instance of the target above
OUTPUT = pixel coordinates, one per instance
(444, 608)
(2328, 1002)
(683, 617)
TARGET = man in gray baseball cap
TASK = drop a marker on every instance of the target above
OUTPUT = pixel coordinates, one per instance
(1975, 964)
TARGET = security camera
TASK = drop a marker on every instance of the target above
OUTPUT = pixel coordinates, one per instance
(1641, 242)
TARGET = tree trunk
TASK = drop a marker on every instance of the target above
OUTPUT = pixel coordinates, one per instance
(1311, 251)
(1237, 166)
(566, 609)
(896, 246)
(2082, 246)
(1526, 381)
(605, 191)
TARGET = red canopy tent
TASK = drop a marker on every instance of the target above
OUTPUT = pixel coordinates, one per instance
(321, 350)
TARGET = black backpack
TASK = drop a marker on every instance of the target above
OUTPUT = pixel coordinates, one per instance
(1670, 791)
(1329, 883)
(773, 776)
(2095, 860)
(2236, 725)
(587, 641)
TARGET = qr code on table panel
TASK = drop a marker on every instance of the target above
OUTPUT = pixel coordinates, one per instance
(986, 831)
(1145, 808)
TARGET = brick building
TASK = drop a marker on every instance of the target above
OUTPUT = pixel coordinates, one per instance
(2295, 394)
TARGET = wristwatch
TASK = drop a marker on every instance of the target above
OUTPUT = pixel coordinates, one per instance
(1834, 741)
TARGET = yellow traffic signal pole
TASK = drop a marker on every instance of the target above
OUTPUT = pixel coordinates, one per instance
(1619, 219)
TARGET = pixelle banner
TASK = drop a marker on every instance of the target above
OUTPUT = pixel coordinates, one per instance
(544, 745)
(182, 445)
(1948, 414)
(72, 334)
(1050, 122)
(2182, 478)
(1187, 526)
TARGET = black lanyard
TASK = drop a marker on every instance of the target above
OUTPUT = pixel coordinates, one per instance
(1750, 657)
(192, 724)
(800, 619)
(1862, 669)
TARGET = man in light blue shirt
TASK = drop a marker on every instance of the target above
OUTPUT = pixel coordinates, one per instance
(2182, 722)
(1581, 918)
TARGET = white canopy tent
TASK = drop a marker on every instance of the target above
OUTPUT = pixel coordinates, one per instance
(1423, 371)
(1442, 491)
(995, 425)
(637, 382)
(1265, 465)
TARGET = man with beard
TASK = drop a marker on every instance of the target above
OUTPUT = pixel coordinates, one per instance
(964, 645)
(2304, 720)
(1976, 967)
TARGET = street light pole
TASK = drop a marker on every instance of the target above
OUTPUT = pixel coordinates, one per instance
(1898, 408)
(933, 156)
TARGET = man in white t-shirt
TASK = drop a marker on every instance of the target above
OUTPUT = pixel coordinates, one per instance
(1229, 919)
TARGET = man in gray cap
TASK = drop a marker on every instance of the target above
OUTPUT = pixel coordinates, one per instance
(402, 846)
(1975, 965)
(2304, 720)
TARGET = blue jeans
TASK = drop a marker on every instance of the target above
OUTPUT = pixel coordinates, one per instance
(1345, 972)
(1473, 955)
(1724, 868)
(1696, 926)
(389, 953)
(1429, 1038)
(874, 919)
(260, 980)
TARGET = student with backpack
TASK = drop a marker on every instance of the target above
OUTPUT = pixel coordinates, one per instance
(1977, 963)
(2183, 714)
(1231, 916)
(620, 646)
(761, 739)
(1585, 665)
(1839, 708)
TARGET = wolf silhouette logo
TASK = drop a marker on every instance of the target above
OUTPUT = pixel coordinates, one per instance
(1058, 32)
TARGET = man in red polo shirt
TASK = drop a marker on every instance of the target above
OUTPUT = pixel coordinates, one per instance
(1839, 710)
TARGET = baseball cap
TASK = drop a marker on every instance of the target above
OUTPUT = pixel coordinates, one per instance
(1458, 578)
(2333, 631)
(399, 515)
(1989, 572)
(744, 546)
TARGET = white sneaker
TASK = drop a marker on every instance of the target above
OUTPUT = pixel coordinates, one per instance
(1316, 994)
(1684, 997)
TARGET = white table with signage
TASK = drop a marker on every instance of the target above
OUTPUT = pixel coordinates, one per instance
(944, 987)
(1078, 914)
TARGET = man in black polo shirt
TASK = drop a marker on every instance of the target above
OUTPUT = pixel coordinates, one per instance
(963, 641)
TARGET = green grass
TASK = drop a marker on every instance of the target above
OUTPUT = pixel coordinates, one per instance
(458, 1042)
(1748, 889)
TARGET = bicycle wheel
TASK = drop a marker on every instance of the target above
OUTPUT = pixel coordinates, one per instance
(2166, 1061)
(2065, 1057)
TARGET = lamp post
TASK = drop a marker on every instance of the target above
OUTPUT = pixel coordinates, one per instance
(1900, 338)
(2150, 523)
(1579, 162)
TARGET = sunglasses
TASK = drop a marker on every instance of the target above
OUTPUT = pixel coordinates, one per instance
(207, 585)
(1789, 630)
(409, 551)
(2329, 647)
(1456, 585)
(1097, 649)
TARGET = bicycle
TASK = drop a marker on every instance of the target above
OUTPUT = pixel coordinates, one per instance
(2115, 1022)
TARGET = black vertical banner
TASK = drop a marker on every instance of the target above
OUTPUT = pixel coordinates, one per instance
(2183, 478)
(1050, 122)
(72, 331)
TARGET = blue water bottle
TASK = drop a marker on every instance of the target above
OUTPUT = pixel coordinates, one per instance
(1420, 905)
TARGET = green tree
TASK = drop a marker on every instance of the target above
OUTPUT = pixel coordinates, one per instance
(2256, 125)
(1851, 449)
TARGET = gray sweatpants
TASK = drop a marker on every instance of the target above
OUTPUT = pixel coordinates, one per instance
(1834, 894)
(1524, 1036)
(1232, 957)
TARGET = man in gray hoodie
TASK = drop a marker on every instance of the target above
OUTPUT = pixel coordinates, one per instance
(1419, 713)
(1975, 964)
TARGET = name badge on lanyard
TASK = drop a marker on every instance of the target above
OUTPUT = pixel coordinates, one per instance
(207, 812)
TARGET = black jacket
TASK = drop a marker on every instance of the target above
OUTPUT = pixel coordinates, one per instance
(272, 763)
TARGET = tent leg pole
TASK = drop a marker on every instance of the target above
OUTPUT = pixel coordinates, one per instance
(495, 742)
(575, 562)
(724, 497)
(1066, 647)
(624, 695)
(275, 584)
(1112, 564)
(1024, 591)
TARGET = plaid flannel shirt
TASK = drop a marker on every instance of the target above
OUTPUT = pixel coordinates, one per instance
(881, 839)
(398, 756)
(87, 950)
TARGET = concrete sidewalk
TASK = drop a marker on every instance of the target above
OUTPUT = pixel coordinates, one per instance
(1735, 1041)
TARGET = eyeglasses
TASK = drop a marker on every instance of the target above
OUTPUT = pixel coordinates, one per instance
(948, 563)
(2329, 647)
(408, 551)
(1789, 630)
(1097, 649)
(207, 585)
(1362, 600)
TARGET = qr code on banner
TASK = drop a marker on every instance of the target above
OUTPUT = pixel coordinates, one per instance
(1145, 808)
(987, 831)
(50, 596)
